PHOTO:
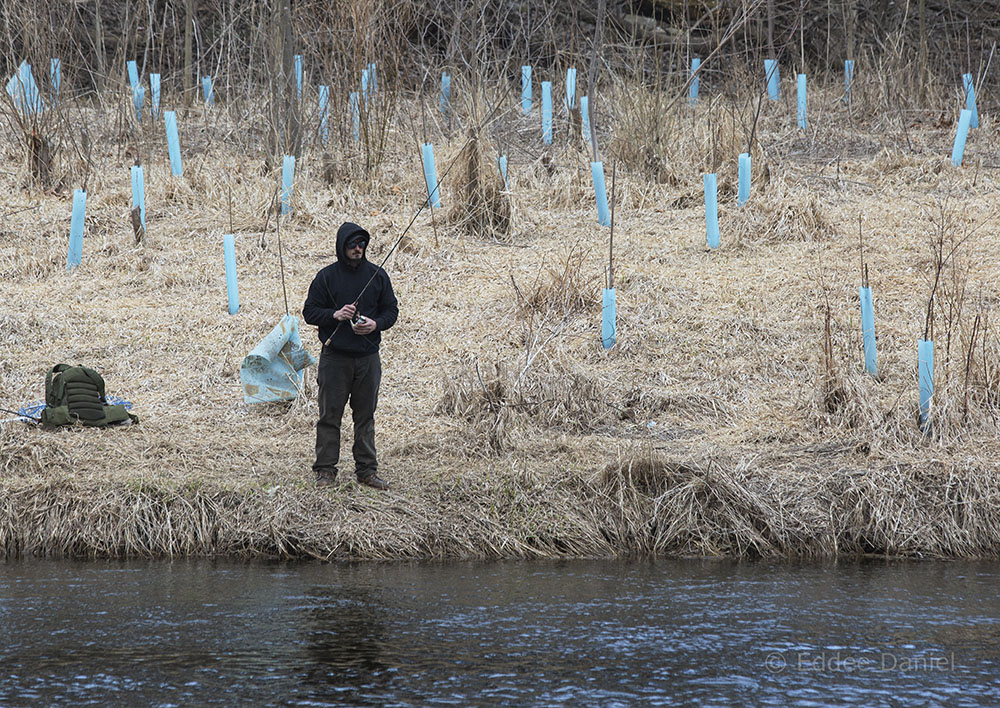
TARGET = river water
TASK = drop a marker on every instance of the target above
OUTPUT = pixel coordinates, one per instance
(574, 633)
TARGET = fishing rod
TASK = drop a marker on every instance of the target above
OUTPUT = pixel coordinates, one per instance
(423, 206)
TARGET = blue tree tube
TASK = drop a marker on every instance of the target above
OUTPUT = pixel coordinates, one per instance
(154, 91)
(802, 101)
(287, 182)
(570, 88)
(232, 290)
(502, 162)
(693, 89)
(364, 87)
(139, 193)
(868, 329)
(324, 113)
(24, 91)
(206, 87)
(445, 92)
(355, 108)
(373, 77)
(960, 135)
(970, 99)
(925, 378)
(430, 175)
(600, 193)
(138, 98)
(55, 75)
(609, 318)
(773, 74)
(744, 188)
(74, 253)
(133, 74)
(711, 210)
(526, 89)
(298, 76)
(173, 144)
(585, 115)
(848, 78)
(547, 112)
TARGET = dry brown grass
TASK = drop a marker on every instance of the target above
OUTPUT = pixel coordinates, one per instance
(483, 207)
(774, 218)
(704, 431)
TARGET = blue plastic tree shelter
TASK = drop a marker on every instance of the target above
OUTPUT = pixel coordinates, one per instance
(570, 99)
(925, 379)
(970, 99)
(55, 75)
(744, 175)
(445, 93)
(526, 89)
(600, 193)
(133, 74)
(711, 210)
(324, 113)
(173, 144)
(609, 317)
(868, 329)
(139, 193)
(74, 254)
(287, 182)
(773, 76)
(232, 287)
(547, 112)
(961, 133)
(23, 91)
(138, 99)
(430, 175)
(298, 77)
(154, 98)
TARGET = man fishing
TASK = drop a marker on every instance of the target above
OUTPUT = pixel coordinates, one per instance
(352, 303)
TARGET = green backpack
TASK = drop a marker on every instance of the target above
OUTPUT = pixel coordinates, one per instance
(75, 394)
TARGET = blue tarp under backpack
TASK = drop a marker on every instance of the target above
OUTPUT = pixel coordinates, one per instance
(76, 395)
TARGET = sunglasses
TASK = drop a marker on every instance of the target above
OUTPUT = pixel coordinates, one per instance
(356, 244)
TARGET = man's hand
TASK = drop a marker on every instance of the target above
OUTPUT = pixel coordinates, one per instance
(345, 313)
(366, 327)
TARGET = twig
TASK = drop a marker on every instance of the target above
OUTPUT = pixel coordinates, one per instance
(611, 238)
(592, 73)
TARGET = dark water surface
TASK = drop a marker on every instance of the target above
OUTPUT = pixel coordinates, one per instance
(580, 633)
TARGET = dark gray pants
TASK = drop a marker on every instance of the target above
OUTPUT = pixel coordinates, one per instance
(342, 379)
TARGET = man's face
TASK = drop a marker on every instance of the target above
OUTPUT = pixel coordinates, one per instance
(355, 250)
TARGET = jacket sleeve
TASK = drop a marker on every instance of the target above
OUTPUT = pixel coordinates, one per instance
(388, 307)
(319, 309)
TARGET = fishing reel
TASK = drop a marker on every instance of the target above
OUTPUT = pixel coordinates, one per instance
(358, 319)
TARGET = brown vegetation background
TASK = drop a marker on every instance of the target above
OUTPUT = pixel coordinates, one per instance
(733, 416)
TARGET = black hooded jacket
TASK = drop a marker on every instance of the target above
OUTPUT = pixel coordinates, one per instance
(340, 284)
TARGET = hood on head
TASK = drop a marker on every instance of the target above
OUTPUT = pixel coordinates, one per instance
(344, 234)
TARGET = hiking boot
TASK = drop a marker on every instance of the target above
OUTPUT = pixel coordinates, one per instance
(373, 481)
(325, 478)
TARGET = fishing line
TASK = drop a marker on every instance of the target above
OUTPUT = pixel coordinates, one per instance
(423, 206)
(281, 260)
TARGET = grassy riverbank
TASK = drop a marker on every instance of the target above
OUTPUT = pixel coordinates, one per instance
(733, 417)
